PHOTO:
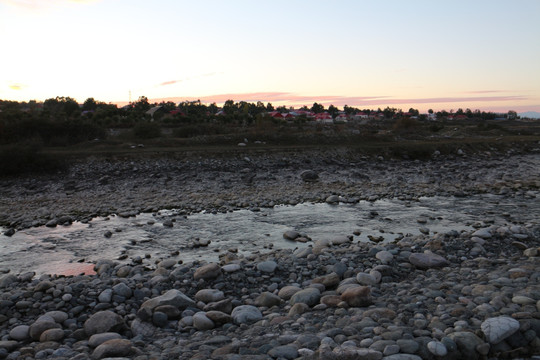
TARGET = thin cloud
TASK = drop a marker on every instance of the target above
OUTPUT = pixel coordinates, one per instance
(296, 100)
(484, 91)
(16, 87)
(172, 82)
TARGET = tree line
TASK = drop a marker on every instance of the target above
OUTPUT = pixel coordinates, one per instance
(63, 121)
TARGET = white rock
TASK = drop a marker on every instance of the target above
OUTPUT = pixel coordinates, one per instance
(437, 348)
(365, 279)
(522, 300)
(338, 240)
(246, 314)
(499, 328)
(209, 295)
(20, 333)
(268, 266)
(385, 256)
(484, 233)
(376, 275)
(231, 268)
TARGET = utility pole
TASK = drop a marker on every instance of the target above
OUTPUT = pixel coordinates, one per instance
(130, 96)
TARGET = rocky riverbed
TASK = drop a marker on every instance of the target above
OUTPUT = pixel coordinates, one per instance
(469, 294)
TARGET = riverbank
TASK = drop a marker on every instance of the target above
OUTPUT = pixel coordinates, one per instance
(193, 182)
(455, 295)
(450, 295)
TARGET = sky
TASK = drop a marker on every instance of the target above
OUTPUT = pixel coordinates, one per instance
(425, 54)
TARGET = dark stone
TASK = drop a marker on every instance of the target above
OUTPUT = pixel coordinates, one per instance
(9, 232)
(160, 319)
(309, 176)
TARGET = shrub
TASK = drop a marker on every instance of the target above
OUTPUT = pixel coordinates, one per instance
(147, 130)
(405, 124)
(27, 158)
(52, 133)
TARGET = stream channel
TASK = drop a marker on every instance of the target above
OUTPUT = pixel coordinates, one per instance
(58, 250)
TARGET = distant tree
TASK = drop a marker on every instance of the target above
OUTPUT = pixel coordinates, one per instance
(389, 112)
(512, 115)
(61, 105)
(213, 108)
(229, 107)
(269, 107)
(142, 105)
(414, 112)
(430, 111)
(317, 108)
(469, 113)
(332, 110)
(167, 106)
(304, 108)
(89, 105)
(281, 108)
(349, 110)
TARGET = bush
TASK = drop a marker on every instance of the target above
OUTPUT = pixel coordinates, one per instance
(147, 130)
(27, 158)
(52, 133)
(405, 124)
(192, 130)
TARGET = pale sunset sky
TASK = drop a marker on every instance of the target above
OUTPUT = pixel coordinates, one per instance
(439, 54)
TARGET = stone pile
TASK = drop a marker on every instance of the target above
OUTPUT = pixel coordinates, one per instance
(473, 295)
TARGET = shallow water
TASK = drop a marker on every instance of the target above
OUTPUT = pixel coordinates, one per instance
(51, 250)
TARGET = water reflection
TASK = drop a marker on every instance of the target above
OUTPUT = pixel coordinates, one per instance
(45, 250)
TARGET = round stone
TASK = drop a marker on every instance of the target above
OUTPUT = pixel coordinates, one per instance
(202, 322)
(499, 328)
(267, 266)
(437, 348)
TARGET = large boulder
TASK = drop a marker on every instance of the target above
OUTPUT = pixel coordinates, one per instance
(268, 266)
(207, 272)
(427, 260)
(172, 297)
(359, 296)
(267, 299)
(291, 234)
(113, 348)
(288, 291)
(40, 326)
(309, 176)
(209, 295)
(103, 321)
(309, 296)
(246, 314)
(499, 328)
(467, 342)
(329, 280)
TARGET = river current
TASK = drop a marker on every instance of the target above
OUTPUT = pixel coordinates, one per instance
(53, 250)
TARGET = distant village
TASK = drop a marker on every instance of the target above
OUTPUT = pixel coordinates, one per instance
(191, 111)
(317, 113)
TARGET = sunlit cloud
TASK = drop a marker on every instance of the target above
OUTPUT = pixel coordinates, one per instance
(16, 87)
